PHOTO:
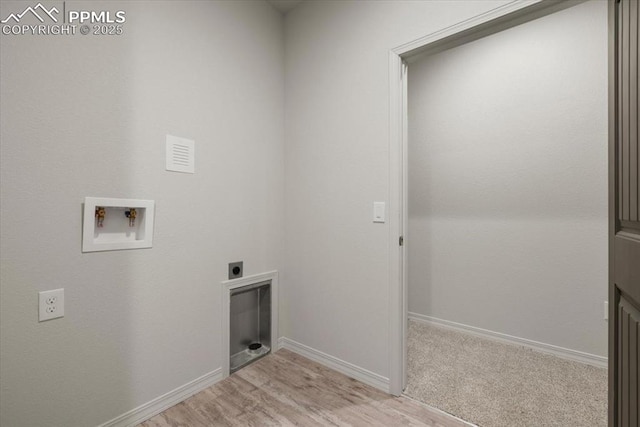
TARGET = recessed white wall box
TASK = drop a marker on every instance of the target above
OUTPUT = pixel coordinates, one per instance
(181, 155)
(114, 224)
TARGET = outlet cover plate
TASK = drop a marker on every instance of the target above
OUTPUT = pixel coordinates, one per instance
(235, 270)
(51, 304)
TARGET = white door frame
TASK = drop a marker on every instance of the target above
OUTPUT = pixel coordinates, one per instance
(498, 19)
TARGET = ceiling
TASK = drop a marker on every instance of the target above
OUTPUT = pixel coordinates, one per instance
(284, 6)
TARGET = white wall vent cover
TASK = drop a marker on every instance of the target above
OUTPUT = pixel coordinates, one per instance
(180, 155)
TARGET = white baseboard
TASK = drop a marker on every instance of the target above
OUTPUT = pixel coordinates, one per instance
(161, 403)
(565, 353)
(346, 368)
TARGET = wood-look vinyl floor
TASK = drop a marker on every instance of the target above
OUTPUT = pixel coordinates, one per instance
(286, 389)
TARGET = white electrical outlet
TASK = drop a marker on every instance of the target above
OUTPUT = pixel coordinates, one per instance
(51, 304)
(606, 310)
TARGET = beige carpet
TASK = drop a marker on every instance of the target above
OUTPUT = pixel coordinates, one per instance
(493, 384)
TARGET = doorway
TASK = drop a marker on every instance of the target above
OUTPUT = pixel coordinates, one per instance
(478, 188)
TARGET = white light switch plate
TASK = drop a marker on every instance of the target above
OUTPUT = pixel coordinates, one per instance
(51, 304)
(378, 211)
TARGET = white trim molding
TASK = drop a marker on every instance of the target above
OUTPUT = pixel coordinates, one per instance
(167, 400)
(346, 368)
(456, 29)
(397, 292)
(227, 287)
(564, 353)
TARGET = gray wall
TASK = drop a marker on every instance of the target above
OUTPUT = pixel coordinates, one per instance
(87, 116)
(507, 181)
(335, 284)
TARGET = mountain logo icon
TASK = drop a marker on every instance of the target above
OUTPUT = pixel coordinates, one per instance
(38, 11)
